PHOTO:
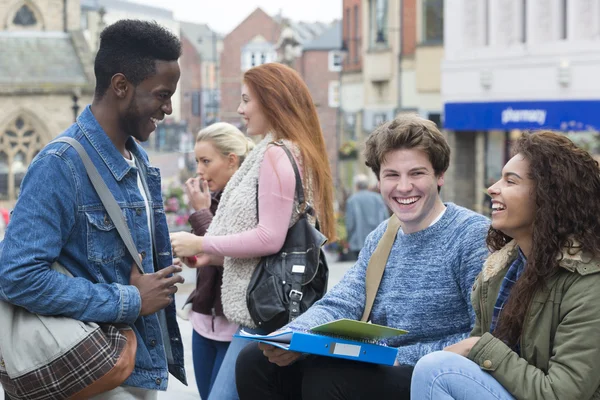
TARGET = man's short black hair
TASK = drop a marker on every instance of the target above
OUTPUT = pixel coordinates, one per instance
(132, 47)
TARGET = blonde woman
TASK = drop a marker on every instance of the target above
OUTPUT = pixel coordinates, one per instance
(219, 150)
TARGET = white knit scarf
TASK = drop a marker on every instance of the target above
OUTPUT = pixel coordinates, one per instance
(237, 213)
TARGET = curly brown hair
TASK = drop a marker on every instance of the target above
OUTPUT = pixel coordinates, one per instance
(567, 216)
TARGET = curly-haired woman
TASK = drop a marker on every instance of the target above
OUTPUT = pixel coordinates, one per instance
(537, 298)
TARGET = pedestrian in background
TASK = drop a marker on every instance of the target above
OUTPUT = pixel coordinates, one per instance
(219, 150)
(365, 210)
(253, 220)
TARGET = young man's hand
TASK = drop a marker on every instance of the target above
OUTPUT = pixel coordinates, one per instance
(278, 356)
(156, 289)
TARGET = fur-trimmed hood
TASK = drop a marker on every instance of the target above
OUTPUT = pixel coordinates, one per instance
(580, 262)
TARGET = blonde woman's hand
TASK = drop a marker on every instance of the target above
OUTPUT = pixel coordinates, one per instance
(186, 244)
(198, 193)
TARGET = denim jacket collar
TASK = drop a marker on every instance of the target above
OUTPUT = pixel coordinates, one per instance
(103, 145)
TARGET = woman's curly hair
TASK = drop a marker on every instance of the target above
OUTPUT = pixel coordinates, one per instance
(567, 216)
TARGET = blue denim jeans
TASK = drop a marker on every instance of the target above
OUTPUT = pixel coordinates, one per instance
(208, 355)
(443, 375)
(224, 386)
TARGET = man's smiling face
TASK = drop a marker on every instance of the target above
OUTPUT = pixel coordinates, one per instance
(409, 186)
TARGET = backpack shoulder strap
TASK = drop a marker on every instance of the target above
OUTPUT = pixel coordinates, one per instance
(377, 263)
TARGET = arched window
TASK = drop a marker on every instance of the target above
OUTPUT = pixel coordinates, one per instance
(24, 16)
(19, 142)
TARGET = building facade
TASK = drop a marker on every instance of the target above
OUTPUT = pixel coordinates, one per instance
(511, 66)
(251, 43)
(257, 40)
(45, 81)
(393, 51)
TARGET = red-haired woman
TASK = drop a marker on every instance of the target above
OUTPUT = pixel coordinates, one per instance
(253, 220)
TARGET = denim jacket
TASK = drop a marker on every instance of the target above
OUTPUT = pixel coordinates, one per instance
(59, 217)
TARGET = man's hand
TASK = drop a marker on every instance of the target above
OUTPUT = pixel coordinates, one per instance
(464, 346)
(278, 356)
(156, 289)
(186, 244)
(198, 193)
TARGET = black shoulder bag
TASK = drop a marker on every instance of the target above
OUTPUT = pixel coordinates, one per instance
(285, 284)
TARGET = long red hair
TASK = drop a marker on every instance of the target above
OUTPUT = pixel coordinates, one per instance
(287, 105)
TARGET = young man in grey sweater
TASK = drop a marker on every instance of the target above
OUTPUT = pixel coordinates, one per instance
(425, 288)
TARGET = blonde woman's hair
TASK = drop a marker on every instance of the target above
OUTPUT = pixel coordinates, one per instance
(227, 139)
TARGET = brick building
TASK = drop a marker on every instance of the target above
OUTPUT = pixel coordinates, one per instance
(352, 92)
(251, 43)
(320, 66)
(190, 82)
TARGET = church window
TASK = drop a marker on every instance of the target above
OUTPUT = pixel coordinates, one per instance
(20, 143)
(24, 17)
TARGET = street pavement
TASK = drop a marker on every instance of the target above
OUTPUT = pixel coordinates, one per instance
(177, 390)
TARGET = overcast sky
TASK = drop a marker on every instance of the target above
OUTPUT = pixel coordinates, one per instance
(224, 15)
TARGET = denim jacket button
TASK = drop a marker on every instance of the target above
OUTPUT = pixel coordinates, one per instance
(143, 254)
(138, 211)
(158, 381)
(153, 343)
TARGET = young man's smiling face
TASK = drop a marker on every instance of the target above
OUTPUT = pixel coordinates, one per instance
(151, 100)
(409, 186)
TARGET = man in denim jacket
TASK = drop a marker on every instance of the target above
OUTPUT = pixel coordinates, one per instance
(59, 216)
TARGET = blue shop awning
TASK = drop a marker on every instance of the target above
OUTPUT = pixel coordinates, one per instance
(571, 115)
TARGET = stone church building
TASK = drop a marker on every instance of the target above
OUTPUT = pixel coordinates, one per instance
(46, 78)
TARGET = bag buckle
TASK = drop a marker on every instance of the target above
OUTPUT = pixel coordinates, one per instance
(296, 295)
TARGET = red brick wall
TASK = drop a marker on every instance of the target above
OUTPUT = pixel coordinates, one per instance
(352, 34)
(257, 23)
(409, 27)
(316, 74)
(189, 82)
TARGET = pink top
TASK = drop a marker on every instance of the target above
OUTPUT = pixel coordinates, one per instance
(276, 186)
(214, 328)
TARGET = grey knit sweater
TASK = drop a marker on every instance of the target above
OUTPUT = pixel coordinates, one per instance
(425, 288)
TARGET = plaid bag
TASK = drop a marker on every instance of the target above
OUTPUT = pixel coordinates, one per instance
(50, 358)
(54, 357)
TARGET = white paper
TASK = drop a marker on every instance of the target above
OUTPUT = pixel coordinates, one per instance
(349, 350)
(277, 336)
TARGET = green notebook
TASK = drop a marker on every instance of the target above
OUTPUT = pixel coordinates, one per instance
(358, 330)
